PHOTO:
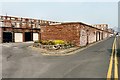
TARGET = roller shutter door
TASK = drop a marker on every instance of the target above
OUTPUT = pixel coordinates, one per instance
(7, 37)
(18, 37)
(35, 36)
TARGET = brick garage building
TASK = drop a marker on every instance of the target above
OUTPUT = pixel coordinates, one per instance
(75, 32)
(16, 29)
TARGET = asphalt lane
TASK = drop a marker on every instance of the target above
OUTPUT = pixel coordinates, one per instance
(20, 61)
(118, 42)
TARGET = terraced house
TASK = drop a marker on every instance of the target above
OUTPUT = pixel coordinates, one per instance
(14, 29)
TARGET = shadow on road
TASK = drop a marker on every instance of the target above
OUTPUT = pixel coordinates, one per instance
(110, 51)
(118, 52)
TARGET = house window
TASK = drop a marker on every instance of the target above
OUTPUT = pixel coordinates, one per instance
(19, 19)
(40, 21)
(4, 18)
(32, 20)
(1, 18)
(1, 24)
(33, 25)
(49, 22)
(29, 25)
(13, 24)
(12, 18)
(8, 18)
(23, 20)
(37, 25)
(18, 25)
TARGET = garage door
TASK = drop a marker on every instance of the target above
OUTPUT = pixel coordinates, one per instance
(28, 36)
(83, 38)
(18, 37)
(35, 36)
(7, 37)
(97, 36)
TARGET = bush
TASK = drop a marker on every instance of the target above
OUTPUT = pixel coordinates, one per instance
(36, 41)
(44, 42)
(50, 42)
(54, 42)
(59, 42)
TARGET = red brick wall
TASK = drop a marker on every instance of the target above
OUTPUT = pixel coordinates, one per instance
(66, 32)
(87, 35)
(7, 23)
(83, 35)
(104, 35)
(92, 35)
(77, 33)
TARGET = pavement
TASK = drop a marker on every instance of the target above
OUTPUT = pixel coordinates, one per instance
(20, 61)
(59, 52)
(62, 52)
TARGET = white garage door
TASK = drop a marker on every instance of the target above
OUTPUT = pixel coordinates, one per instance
(35, 36)
(18, 37)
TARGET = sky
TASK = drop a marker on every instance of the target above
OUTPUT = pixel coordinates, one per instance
(119, 17)
(65, 11)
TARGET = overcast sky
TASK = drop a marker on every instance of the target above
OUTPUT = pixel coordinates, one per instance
(64, 11)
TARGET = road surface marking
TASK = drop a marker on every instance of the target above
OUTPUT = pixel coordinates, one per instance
(113, 57)
(116, 64)
(109, 74)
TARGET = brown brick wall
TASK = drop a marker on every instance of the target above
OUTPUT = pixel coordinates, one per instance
(66, 32)
(104, 35)
(92, 35)
(87, 35)
(83, 35)
(77, 33)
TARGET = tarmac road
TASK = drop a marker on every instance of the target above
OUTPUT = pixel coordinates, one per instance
(20, 61)
(118, 40)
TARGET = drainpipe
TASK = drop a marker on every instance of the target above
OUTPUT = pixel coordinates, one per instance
(40, 35)
(87, 38)
(13, 35)
(1, 35)
(102, 35)
(32, 30)
(12, 26)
